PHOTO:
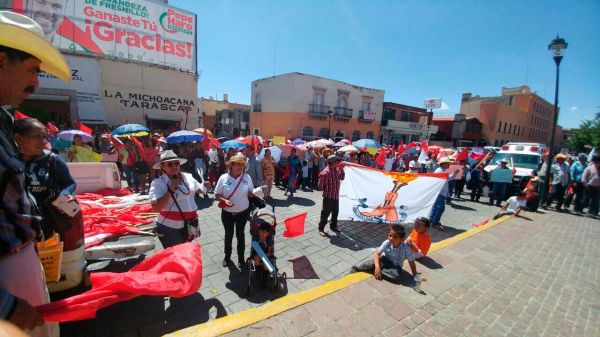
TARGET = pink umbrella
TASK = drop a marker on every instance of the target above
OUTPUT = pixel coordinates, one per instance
(286, 150)
(345, 141)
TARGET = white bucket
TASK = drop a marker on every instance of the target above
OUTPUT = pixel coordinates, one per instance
(72, 269)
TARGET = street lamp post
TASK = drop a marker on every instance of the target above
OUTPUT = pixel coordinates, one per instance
(330, 114)
(558, 46)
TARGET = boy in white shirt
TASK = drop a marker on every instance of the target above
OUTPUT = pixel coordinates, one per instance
(513, 205)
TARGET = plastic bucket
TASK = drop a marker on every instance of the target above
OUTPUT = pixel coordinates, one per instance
(72, 270)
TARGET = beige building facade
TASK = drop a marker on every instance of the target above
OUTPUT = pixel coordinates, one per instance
(300, 105)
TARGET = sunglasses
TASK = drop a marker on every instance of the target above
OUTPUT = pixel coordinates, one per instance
(172, 163)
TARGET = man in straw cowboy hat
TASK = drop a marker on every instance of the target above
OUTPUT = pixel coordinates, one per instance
(172, 195)
(23, 54)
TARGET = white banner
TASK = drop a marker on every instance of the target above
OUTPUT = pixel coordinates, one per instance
(369, 115)
(86, 81)
(433, 103)
(126, 29)
(371, 195)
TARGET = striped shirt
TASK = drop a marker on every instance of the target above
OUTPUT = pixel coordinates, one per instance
(330, 181)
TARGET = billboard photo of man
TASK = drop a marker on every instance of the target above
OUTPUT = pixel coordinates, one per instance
(48, 13)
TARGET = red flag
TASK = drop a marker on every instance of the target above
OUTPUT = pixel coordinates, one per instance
(401, 146)
(265, 143)
(52, 129)
(394, 147)
(255, 143)
(424, 145)
(380, 160)
(294, 225)
(19, 115)
(175, 272)
(409, 146)
(206, 140)
(116, 142)
(463, 155)
(85, 128)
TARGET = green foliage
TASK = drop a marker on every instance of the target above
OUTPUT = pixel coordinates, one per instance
(587, 134)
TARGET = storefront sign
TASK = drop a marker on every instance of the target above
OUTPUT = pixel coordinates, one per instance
(278, 140)
(415, 126)
(149, 102)
(133, 30)
(86, 82)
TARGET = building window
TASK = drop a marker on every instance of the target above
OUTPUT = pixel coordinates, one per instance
(342, 101)
(504, 130)
(307, 132)
(318, 99)
(370, 135)
(339, 134)
(499, 126)
(355, 135)
(366, 103)
(405, 116)
(324, 132)
(509, 128)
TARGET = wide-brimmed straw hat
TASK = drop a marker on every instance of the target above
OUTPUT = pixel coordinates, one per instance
(560, 156)
(238, 158)
(22, 33)
(444, 160)
(168, 155)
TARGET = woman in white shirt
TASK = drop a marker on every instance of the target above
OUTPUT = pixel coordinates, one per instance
(233, 191)
(172, 195)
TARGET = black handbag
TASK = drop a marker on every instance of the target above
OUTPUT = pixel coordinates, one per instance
(59, 221)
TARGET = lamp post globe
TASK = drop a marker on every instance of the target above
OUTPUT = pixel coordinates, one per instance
(557, 46)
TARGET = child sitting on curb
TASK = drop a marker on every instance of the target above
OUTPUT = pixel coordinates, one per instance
(419, 239)
(389, 257)
(513, 205)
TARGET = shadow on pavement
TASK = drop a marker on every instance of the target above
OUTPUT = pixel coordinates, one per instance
(291, 201)
(429, 263)
(454, 205)
(448, 232)
(303, 269)
(361, 235)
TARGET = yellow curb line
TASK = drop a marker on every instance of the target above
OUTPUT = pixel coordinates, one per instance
(248, 317)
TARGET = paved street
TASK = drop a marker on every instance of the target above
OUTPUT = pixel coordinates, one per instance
(534, 276)
(307, 260)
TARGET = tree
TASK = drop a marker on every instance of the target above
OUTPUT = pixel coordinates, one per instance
(587, 134)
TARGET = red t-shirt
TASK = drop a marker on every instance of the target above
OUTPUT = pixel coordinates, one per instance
(423, 241)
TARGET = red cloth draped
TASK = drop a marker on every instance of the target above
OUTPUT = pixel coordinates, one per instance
(52, 129)
(462, 155)
(175, 272)
(85, 128)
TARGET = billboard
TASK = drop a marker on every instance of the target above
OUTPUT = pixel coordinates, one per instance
(433, 103)
(86, 76)
(369, 115)
(133, 30)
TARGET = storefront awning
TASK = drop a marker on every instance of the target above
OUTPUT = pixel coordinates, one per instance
(164, 118)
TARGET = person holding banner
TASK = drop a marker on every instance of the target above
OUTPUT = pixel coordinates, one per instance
(439, 206)
(500, 178)
(329, 181)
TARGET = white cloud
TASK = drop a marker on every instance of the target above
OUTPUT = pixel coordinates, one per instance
(574, 108)
(444, 107)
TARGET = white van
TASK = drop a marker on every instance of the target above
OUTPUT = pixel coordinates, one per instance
(91, 177)
(525, 156)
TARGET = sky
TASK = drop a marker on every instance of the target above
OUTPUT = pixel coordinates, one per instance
(411, 49)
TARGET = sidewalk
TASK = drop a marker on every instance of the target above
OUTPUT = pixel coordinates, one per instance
(531, 276)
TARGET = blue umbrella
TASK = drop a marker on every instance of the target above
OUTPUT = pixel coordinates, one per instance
(298, 141)
(368, 143)
(232, 144)
(129, 128)
(184, 136)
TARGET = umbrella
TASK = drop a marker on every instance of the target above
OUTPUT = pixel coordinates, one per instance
(298, 141)
(184, 136)
(348, 148)
(232, 144)
(201, 131)
(275, 153)
(368, 143)
(345, 141)
(287, 150)
(129, 128)
(70, 134)
(326, 142)
(340, 144)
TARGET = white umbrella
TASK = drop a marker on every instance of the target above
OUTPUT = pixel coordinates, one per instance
(275, 153)
(348, 148)
(70, 134)
(340, 144)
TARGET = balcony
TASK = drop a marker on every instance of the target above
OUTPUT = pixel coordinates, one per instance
(318, 111)
(257, 108)
(369, 118)
(342, 113)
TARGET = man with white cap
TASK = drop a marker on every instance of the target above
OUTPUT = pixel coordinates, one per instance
(23, 54)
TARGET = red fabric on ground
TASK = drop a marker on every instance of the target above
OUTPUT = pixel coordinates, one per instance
(175, 272)
(111, 191)
(294, 225)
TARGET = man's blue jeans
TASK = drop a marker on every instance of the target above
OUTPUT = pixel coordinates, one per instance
(437, 210)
